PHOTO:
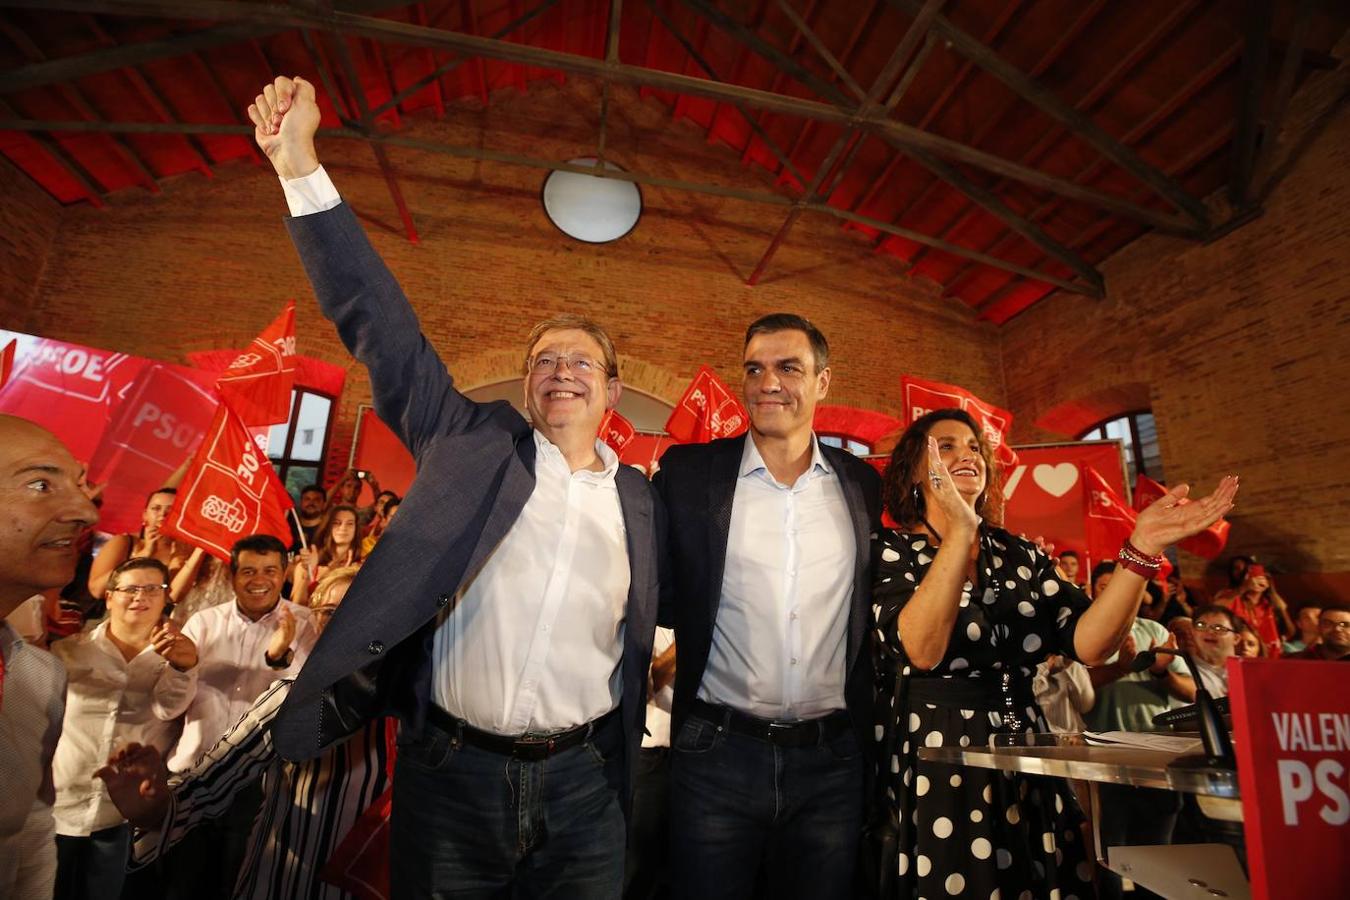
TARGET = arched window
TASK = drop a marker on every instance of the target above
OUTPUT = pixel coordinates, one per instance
(1138, 434)
(297, 446)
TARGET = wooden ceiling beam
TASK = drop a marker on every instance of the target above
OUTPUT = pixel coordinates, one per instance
(367, 123)
(1259, 17)
(153, 98)
(991, 121)
(71, 68)
(1155, 117)
(88, 184)
(1081, 125)
(1284, 89)
(897, 133)
(925, 17)
(76, 98)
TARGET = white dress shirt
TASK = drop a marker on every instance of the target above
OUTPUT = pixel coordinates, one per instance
(560, 576)
(779, 644)
(232, 671)
(535, 641)
(110, 702)
(31, 708)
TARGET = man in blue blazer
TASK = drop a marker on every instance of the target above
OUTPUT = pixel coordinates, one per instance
(507, 614)
(769, 541)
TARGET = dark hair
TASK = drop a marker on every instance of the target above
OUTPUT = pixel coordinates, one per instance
(1212, 609)
(776, 322)
(387, 493)
(256, 543)
(1232, 559)
(137, 562)
(312, 489)
(901, 493)
(1105, 567)
(394, 501)
(164, 490)
(323, 535)
(1073, 553)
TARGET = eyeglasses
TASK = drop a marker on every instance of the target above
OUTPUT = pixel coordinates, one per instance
(148, 590)
(1220, 630)
(548, 363)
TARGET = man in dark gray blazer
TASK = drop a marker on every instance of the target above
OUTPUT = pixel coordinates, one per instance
(769, 540)
(507, 614)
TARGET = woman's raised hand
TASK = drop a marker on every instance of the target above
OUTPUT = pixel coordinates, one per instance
(1174, 516)
(961, 517)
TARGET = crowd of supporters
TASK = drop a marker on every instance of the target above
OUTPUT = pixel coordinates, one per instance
(167, 651)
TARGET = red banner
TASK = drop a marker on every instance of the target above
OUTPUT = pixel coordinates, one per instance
(1208, 543)
(708, 410)
(152, 432)
(230, 491)
(257, 385)
(132, 420)
(616, 431)
(1292, 739)
(921, 397)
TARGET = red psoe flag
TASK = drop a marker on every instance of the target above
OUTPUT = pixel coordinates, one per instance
(1107, 521)
(257, 385)
(708, 410)
(7, 361)
(1208, 543)
(922, 396)
(230, 491)
(616, 431)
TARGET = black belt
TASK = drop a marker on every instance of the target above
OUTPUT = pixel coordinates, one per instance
(530, 747)
(1002, 694)
(781, 734)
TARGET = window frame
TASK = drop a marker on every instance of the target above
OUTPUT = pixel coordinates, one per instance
(284, 462)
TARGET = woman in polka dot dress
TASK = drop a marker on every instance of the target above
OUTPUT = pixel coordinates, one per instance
(964, 612)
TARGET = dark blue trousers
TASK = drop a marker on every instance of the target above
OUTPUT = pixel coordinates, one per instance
(469, 822)
(745, 812)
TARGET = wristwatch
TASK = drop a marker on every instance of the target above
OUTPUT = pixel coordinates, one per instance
(279, 663)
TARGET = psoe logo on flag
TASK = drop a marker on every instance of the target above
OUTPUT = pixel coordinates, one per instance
(245, 361)
(228, 515)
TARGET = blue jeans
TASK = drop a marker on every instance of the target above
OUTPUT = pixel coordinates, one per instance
(469, 822)
(93, 867)
(740, 804)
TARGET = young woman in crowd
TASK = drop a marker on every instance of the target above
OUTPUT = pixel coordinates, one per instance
(1259, 605)
(148, 542)
(1249, 643)
(335, 544)
(965, 612)
(129, 680)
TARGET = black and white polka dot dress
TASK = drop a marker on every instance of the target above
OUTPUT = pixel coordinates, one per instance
(965, 831)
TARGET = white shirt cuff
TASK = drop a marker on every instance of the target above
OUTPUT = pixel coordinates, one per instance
(311, 193)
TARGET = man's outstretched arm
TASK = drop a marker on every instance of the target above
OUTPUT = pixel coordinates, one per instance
(412, 390)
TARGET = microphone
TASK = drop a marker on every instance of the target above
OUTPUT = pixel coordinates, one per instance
(1213, 736)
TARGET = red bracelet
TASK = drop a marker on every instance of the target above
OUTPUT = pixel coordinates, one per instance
(1135, 553)
(1133, 565)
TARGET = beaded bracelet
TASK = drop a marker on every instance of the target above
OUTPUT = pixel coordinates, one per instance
(1140, 563)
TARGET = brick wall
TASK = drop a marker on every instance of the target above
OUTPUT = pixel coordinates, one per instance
(29, 220)
(1242, 348)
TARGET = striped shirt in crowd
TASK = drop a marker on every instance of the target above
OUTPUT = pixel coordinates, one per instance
(308, 807)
